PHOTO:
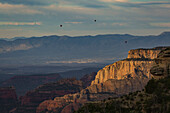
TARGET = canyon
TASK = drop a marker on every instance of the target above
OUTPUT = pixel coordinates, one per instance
(114, 80)
(30, 101)
(68, 95)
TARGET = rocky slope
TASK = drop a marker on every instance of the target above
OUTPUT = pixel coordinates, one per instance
(154, 99)
(114, 80)
(32, 99)
(50, 49)
(8, 99)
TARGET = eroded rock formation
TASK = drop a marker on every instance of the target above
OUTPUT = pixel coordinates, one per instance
(161, 66)
(32, 99)
(117, 79)
(137, 64)
(145, 53)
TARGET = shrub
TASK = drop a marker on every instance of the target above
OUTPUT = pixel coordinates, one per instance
(151, 86)
(140, 95)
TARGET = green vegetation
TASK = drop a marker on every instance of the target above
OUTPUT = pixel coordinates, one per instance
(155, 98)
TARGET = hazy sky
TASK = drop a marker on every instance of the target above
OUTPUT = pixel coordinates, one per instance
(43, 17)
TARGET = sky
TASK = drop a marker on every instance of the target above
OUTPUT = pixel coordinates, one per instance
(27, 18)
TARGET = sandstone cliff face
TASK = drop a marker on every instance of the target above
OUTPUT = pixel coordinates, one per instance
(144, 53)
(8, 99)
(137, 64)
(117, 79)
(123, 69)
(111, 88)
(57, 105)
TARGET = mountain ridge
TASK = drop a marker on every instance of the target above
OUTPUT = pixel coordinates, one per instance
(47, 49)
(84, 36)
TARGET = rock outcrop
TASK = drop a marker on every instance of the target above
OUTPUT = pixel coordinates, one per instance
(32, 99)
(67, 100)
(145, 53)
(161, 66)
(124, 69)
(8, 99)
(114, 80)
(137, 64)
(155, 98)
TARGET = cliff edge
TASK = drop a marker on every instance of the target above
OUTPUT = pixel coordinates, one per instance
(137, 64)
(114, 80)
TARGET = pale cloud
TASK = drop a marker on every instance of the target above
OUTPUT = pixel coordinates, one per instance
(112, 1)
(161, 24)
(165, 6)
(121, 0)
(119, 24)
(139, 4)
(17, 9)
(28, 2)
(78, 16)
(73, 22)
(73, 8)
(131, 3)
(20, 23)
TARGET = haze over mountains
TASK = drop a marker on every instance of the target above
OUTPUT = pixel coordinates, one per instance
(48, 50)
(55, 54)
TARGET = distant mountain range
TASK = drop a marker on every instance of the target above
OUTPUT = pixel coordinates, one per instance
(80, 49)
(12, 39)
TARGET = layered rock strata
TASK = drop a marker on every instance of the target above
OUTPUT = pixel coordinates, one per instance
(119, 78)
(33, 98)
(145, 53)
(137, 64)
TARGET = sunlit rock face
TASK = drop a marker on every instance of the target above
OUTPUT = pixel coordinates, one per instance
(145, 53)
(119, 78)
(137, 64)
(161, 65)
(123, 69)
